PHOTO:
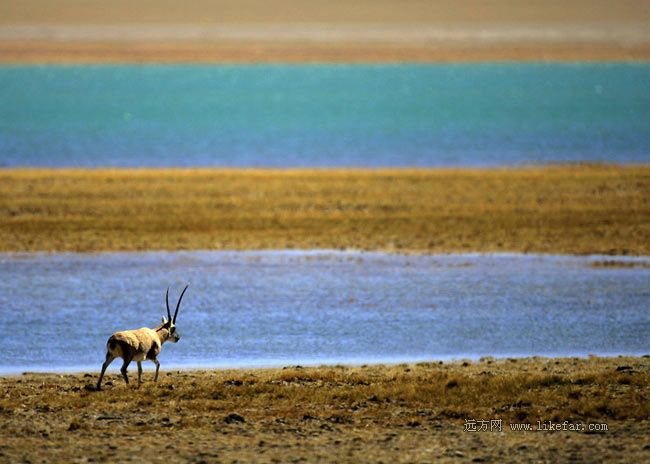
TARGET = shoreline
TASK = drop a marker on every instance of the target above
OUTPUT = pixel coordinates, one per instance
(452, 361)
(565, 210)
(604, 260)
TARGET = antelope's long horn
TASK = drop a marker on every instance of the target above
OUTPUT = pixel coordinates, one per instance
(169, 313)
(178, 305)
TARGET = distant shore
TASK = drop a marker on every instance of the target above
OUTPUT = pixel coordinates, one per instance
(74, 52)
(573, 209)
(421, 412)
(290, 31)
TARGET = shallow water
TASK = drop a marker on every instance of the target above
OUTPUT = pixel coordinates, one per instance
(324, 115)
(292, 307)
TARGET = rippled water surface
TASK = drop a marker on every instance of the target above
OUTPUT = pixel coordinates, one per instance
(290, 307)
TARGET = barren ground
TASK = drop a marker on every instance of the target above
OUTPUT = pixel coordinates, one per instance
(402, 413)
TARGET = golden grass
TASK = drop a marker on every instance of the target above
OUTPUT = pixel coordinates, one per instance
(395, 413)
(562, 209)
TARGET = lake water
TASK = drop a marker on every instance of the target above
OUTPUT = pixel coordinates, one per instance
(324, 115)
(294, 307)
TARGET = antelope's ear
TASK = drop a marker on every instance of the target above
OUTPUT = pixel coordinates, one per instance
(164, 321)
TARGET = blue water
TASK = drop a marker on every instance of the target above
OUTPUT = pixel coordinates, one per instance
(324, 115)
(293, 307)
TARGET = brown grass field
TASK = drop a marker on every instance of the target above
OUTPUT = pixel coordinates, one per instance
(236, 31)
(582, 209)
(401, 413)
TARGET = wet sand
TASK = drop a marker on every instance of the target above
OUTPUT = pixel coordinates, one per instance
(35, 31)
(575, 209)
(403, 413)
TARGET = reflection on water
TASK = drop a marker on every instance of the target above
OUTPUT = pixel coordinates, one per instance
(290, 307)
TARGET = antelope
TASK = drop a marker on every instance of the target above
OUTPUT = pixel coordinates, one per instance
(141, 344)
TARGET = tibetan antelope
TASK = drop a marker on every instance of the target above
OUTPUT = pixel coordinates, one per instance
(141, 344)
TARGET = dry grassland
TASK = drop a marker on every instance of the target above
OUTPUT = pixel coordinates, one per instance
(403, 413)
(571, 209)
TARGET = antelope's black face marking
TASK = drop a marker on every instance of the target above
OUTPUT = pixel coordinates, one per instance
(174, 336)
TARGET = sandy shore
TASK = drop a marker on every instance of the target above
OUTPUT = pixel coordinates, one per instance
(571, 209)
(404, 413)
(35, 31)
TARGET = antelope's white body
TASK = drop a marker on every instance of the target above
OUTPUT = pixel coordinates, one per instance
(145, 343)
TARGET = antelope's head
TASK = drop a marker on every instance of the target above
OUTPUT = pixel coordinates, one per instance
(169, 323)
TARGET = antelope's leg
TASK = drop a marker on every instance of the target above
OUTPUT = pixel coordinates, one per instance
(157, 363)
(139, 372)
(107, 362)
(125, 365)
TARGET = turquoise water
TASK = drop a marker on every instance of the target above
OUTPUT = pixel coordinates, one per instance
(323, 115)
(319, 307)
